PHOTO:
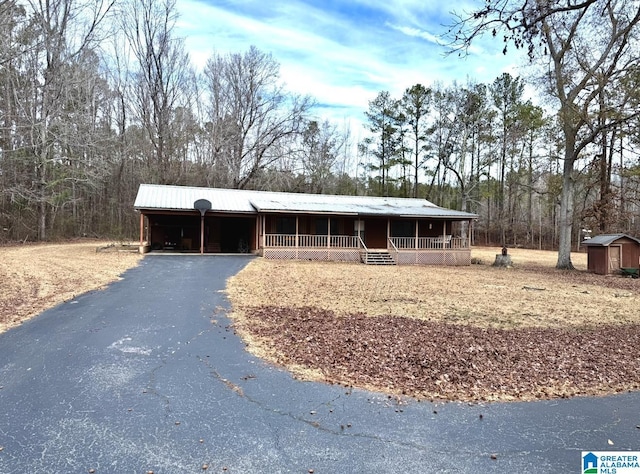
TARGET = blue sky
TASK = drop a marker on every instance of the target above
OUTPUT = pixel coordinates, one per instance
(341, 52)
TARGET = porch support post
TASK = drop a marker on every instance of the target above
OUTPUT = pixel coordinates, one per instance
(388, 232)
(328, 232)
(257, 236)
(201, 233)
(417, 234)
(141, 228)
(264, 231)
(297, 234)
(444, 233)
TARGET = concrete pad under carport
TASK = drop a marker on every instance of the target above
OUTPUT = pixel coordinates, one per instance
(130, 379)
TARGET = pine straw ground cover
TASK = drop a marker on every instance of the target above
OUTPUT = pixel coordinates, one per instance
(448, 333)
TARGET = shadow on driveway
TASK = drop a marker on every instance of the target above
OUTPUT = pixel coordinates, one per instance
(148, 375)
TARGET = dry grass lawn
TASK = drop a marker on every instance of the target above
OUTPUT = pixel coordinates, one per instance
(36, 277)
(531, 294)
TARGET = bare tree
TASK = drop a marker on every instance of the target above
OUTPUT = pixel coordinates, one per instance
(62, 34)
(124, 178)
(251, 114)
(321, 148)
(587, 46)
(161, 82)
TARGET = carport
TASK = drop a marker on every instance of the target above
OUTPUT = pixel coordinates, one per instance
(192, 219)
(181, 231)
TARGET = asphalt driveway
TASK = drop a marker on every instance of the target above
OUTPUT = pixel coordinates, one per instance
(147, 375)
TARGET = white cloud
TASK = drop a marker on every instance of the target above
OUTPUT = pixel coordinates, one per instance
(341, 58)
(417, 33)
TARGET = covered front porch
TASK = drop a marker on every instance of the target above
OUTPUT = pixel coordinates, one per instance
(366, 239)
(302, 226)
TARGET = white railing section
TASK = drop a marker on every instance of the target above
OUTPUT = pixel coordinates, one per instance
(398, 244)
(280, 240)
(395, 249)
(311, 241)
(344, 241)
(362, 245)
(430, 243)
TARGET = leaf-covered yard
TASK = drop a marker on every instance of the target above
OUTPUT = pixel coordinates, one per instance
(464, 333)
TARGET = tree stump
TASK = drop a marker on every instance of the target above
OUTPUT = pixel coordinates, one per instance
(503, 260)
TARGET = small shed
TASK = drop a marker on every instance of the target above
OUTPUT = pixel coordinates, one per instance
(608, 253)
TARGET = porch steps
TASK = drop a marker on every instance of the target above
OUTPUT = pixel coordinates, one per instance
(377, 257)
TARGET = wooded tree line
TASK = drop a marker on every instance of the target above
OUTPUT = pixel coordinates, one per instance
(485, 148)
(99, 96)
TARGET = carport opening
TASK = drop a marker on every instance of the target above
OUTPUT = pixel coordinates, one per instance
(175, 233)
(181, 233)
(235, 236)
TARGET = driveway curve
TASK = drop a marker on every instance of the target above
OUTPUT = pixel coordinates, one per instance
(148, 376)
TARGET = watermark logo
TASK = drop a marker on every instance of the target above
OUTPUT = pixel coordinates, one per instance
(610, 462)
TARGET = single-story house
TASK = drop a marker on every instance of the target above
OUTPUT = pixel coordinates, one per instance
(609, 253)
(302, 226)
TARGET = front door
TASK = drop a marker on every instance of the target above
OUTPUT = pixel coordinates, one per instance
(376, 235)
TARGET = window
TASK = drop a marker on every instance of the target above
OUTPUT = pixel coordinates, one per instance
(285, 225)
(322, 224)
(403, 229)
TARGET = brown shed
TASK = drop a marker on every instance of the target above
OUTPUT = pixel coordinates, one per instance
(608, 253)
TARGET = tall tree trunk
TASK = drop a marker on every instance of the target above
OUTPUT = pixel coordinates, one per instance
(530, 191)
(565, 224)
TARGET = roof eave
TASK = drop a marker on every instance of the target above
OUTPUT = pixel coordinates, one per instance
(422, 216)
(297, 211)
(210, 211)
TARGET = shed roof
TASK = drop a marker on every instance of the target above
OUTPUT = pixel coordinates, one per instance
(163, 197)
(605, 240)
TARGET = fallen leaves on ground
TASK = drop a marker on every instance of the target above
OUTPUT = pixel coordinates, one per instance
(478, 295)
(434, 360)
(453, 333)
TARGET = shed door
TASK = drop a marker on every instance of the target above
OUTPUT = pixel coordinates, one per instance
(614, 258)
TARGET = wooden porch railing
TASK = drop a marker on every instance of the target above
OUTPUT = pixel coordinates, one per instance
(430, 243)
(397, 244)
(311, 241)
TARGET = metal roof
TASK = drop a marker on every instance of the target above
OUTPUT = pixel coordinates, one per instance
(162, 197)
(605, 240)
